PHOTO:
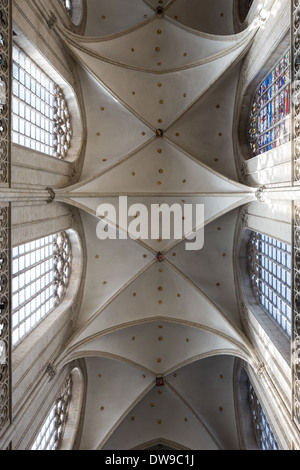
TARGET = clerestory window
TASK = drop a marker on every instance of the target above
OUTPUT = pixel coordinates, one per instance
(40, 116)
(269, 266)
(263, 432)
(52, 431)
(41, 271)
(270, 123)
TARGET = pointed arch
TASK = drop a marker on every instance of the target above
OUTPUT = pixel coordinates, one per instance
(41, 271)
(59, 429)
(270, 264)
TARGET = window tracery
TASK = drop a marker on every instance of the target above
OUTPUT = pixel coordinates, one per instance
(40, 116)
(263, 432)
(270, 263)
(5, 83)
(295, 31)
(5, 216)
(5, 331)
(52, 431)
(296, 314)
(270, 123)
(40, 276)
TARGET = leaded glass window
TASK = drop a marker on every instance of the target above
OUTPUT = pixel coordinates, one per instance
(40, 277)
(270, 275)
(270, 123)
(264, 434)
(40, 116)
(51, 433)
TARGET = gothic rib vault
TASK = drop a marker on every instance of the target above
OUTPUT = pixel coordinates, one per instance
(141, 319)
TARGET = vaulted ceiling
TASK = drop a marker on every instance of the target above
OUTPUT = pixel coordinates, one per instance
(175, 69)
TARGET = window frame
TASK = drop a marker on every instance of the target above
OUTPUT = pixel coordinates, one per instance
(40, 116)
(51, 433)
(253, 135)
(265, 436)
(255, 270)
(45, 274)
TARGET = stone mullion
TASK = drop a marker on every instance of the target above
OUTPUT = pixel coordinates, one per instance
(34, 297)
(255, 269)
(29, 283)
(22, 271)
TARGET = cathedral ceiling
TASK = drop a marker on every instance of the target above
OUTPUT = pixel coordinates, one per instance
(174, 69)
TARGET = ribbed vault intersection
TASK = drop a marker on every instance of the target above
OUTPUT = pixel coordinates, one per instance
(142, 319)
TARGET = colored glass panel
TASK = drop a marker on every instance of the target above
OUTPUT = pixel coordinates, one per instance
(270, 114)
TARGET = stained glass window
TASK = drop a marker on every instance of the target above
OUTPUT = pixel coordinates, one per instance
(264, 434)
(40, 276)
(51, 433)
(270, 124)
(40, 116)
(270, 273)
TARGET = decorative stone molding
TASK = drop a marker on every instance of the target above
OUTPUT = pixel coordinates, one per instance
(61, 411)
(260, 194)
(262, 15)
(295, 41)
(5, 329)
(5, 89)
(260, 369)
(62, 125)
(295, 44)
(160, 11)
(160, 257)
(160, 382)
(62, 265)
(51, 195)
(51, 20)
(296, 317)
(5, 269)
(51, 371)
(244, 219)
